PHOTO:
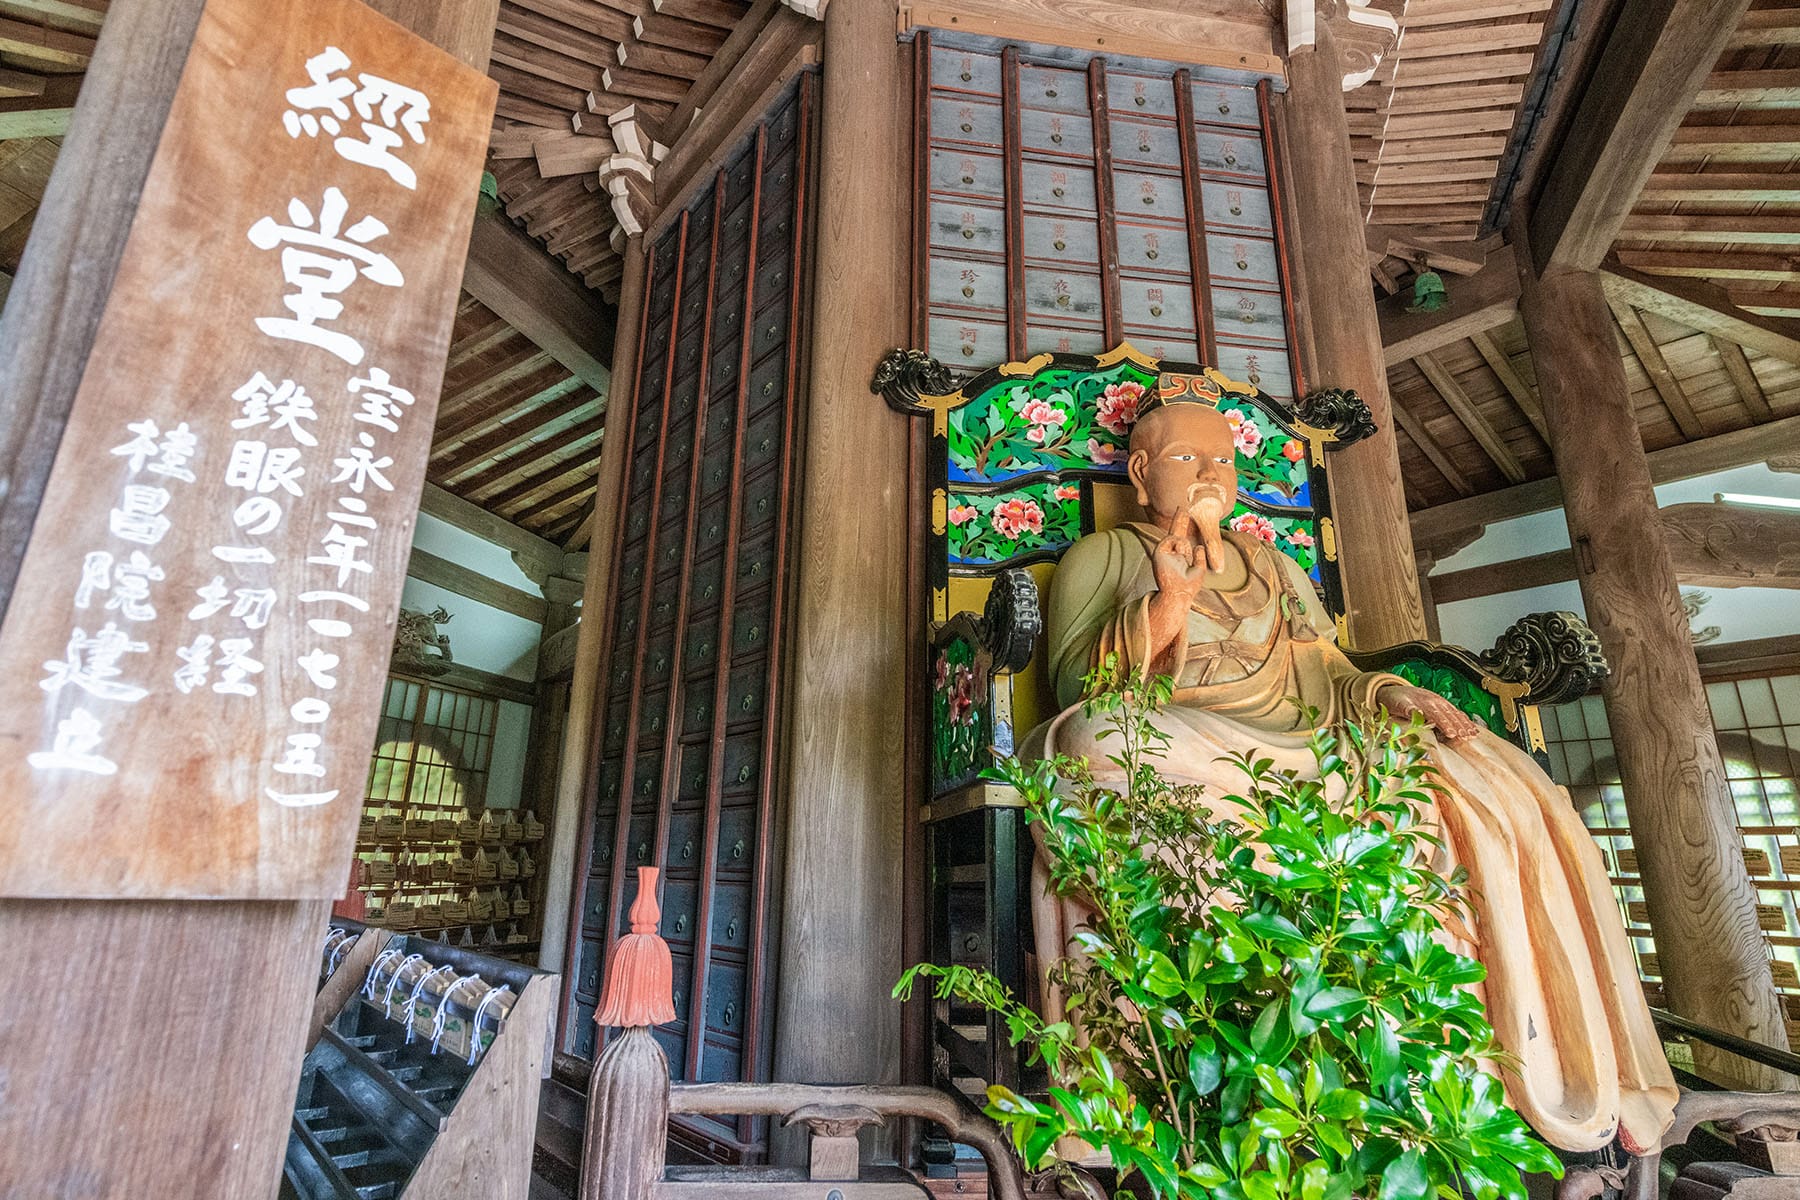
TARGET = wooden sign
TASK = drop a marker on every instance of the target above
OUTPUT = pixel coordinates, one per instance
(193, 662)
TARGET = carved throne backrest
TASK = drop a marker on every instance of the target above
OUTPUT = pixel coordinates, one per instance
(1027, 457)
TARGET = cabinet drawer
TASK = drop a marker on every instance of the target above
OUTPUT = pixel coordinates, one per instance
(968, 227)
(1226, 104)
(965, 70)
(1064, 340)
(968, 284)
(1163, 345)
(685, 851)
(966, 343)
(737, 837)
(1156, 302)
(741, 775)
(1148, 246)
(1263, 368)
(725, 998)
(965, 119)
(1053, 88)
(1057, 133)
(1224, 202)
(1058, 185)
(1230, 150)
(1064, 295)
(1140, 195)
(1151, 143)
(1239, 314)
(1126, 92)
(967, 172)
(731, 915)
(678, 900)
(721, 1060)
(1062, 239)
(1232, 260)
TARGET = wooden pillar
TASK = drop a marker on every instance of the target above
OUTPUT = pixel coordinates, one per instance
(151, 1047)
(1368, 502)
(840, 939)
(1683, 822)
(573, 784)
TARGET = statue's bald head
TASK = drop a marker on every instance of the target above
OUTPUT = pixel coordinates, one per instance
(1180, 422)
(1183, 463)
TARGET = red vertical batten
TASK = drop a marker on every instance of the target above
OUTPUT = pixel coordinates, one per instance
(596, 735)
(715, 761)
(765, 823)
(919, 329)
(684, 589)
(1104, 202)
(1278, 206)
(1013, 202)
(1196, 224)
(628, 759)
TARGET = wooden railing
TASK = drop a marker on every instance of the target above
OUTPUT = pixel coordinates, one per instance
(630, 1099)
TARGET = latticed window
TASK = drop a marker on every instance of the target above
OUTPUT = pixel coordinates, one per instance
(432, 748)
(1757, 722)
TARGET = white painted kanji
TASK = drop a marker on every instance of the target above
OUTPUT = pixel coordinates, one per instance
(320, 259)
(386, 110)
(74, 747)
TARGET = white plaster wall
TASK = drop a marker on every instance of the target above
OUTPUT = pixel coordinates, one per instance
(1742, 614)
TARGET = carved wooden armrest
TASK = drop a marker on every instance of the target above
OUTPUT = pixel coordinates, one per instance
(1542, 658)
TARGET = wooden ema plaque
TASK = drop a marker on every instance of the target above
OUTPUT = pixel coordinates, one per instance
(193, 663)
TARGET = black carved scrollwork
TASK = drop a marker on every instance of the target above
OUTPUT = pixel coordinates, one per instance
(1012, 620)
(1341, 411)
(902, 376)
(1555, 653)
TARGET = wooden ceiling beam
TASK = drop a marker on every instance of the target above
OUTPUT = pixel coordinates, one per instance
(531, 291)
(536, 462)
(1459, 403)
(43, 115)
(1749, 389)
(76, 16)
(1720, 452)
(1703, 306)
(1423, 14)
(1478, 302)
(452, 457)
(1711, 545)
(1771, 302)
(472, 585)
(1650, 357)
(535, 556)
(1522, 393)
(1750, 87)
(1719, 187)
(1655, 61)
(1742, 228)
(1709, 265)
(1429, 446)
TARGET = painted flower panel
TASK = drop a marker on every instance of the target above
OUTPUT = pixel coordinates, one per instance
(988, 529)
(1271, 463)
(958, 715)
(1295, 536)
(1060, 419)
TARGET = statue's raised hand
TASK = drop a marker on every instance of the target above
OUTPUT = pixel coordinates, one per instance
(1179, 565)
(1452, 724)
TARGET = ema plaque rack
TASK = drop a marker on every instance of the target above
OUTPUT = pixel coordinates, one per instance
(422, 1079)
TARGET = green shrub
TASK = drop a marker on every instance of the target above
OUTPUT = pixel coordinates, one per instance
(1264, 1009)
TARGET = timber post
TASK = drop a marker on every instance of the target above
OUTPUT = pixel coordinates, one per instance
(575, 780)
(1381, 583)
(840, 939)
(1684, 824)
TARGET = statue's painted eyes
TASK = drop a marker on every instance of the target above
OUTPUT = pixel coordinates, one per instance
(1225, 459)
(1181, 458)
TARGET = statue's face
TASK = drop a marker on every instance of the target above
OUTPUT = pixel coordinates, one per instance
(1183, 461)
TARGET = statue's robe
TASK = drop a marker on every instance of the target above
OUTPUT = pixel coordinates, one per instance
(1561, 989)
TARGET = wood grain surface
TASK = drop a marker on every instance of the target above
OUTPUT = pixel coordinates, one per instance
(1684, 825)
(1381, 585)
(158, 721)
(840, 937)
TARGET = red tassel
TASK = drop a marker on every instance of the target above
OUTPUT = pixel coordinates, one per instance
(639, 977)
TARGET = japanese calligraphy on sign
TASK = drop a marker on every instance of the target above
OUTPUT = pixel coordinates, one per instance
(192, 676)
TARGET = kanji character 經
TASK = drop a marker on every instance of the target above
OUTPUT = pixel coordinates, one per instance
(322, 261)
(235, 668)
(383, 105)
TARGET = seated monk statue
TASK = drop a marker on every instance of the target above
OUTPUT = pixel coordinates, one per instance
(1239, 628)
